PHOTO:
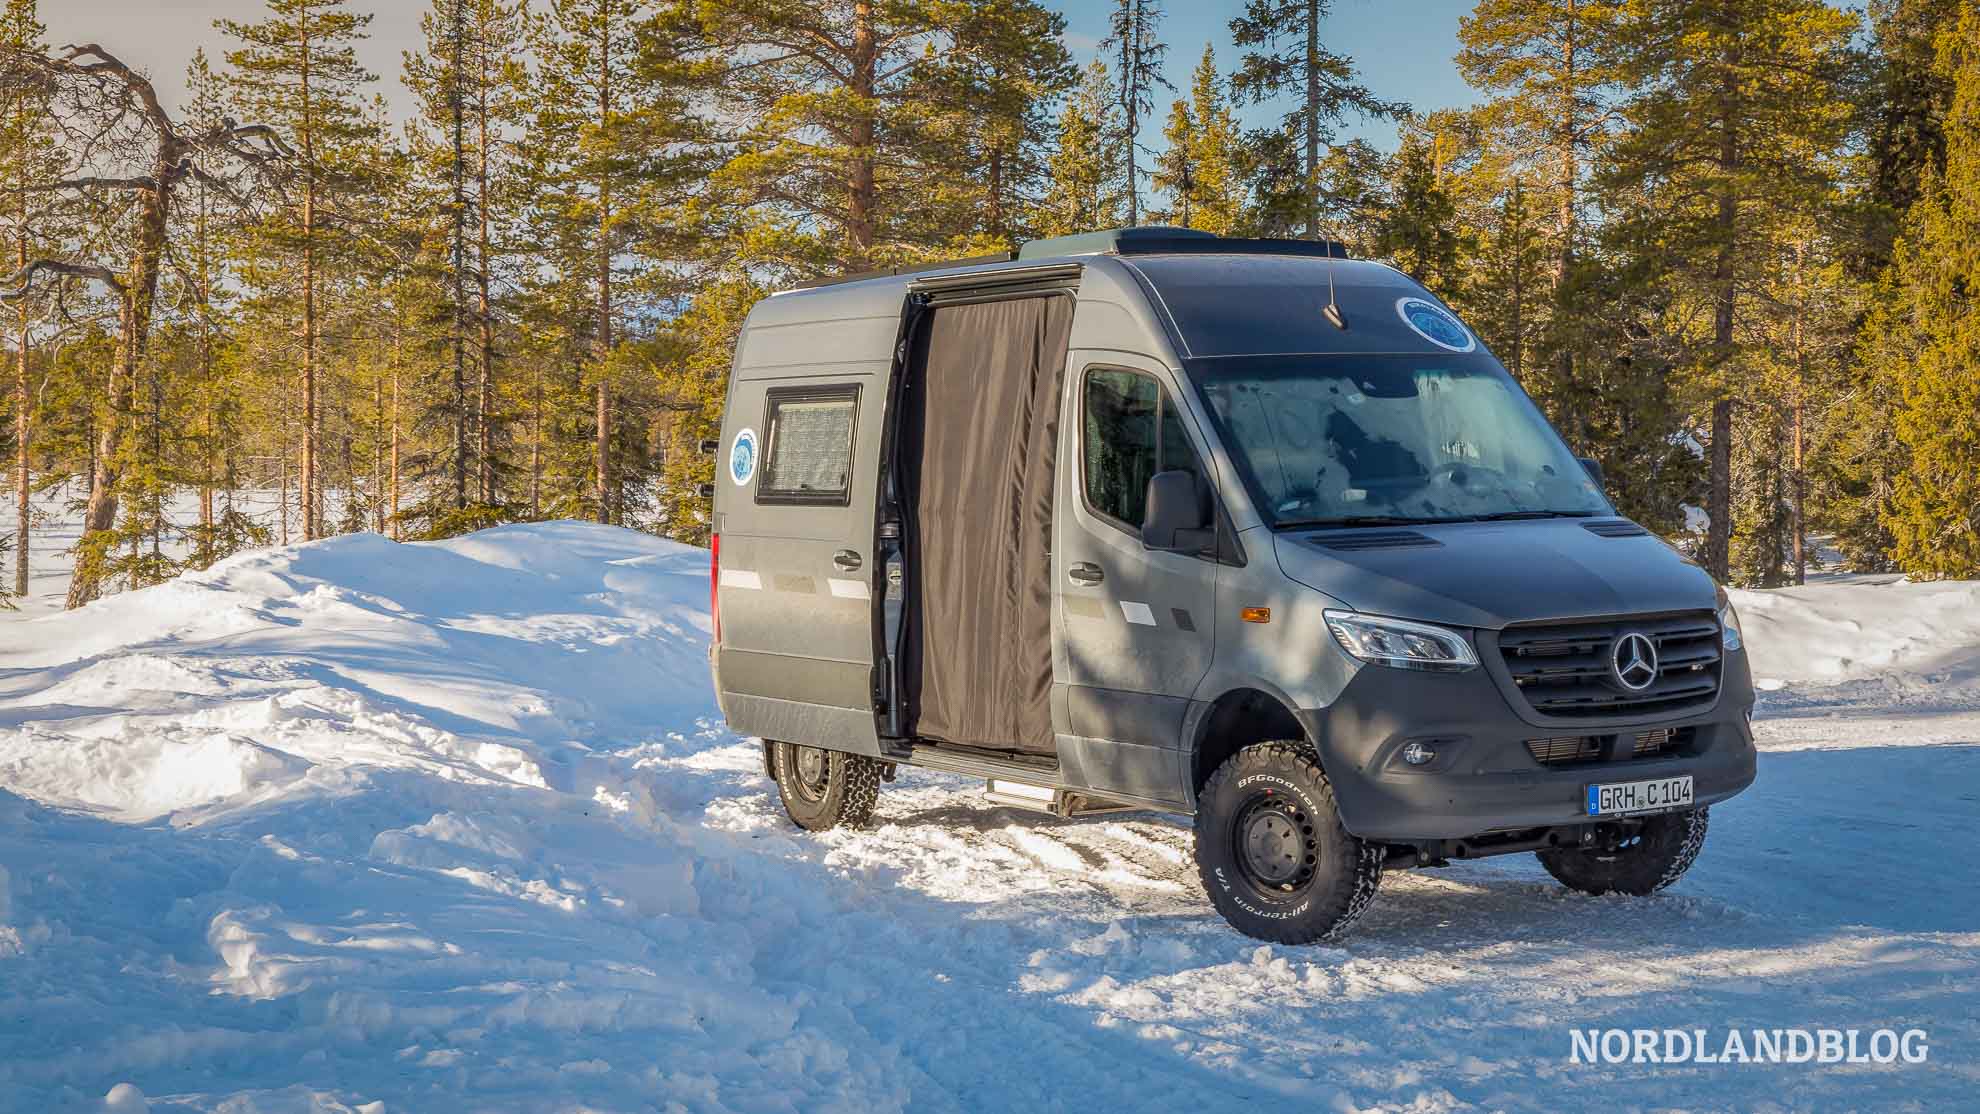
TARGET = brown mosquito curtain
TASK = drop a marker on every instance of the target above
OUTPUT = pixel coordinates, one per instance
(981, 425)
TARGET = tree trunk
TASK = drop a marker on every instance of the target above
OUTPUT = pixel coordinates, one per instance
(1312, 121)
(312, 521)
(861, 192)
(1567, 151)
(485, 397)
(139, 293)
(458, 107)
(393, 505)
(603, 348)
(23, 416)
(536, 446)
(1718, 503)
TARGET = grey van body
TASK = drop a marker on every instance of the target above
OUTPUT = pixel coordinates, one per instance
(1161, 668)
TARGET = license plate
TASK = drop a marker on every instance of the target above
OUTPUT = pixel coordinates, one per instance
(1626, 797)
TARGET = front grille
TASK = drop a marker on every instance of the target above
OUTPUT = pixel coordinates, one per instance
(1562, 750)
(1570, 750)
(1563, 669)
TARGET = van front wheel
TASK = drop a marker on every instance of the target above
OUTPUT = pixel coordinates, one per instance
(823, 789)
(1272, 852)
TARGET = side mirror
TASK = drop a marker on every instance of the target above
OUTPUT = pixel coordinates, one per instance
(1176, 514)
(1594, 469)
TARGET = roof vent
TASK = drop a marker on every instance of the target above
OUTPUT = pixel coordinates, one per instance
(1375, 539)
(1615, 528)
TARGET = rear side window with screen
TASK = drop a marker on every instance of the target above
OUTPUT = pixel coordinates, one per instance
(807, 456)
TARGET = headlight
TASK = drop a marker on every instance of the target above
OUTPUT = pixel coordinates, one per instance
(1399, 642)
(1729, 632)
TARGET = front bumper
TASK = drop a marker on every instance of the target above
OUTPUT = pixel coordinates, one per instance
(1484, 778)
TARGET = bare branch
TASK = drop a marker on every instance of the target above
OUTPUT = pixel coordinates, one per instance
(21, 281)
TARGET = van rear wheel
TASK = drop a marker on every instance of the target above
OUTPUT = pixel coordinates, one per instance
(823, 789)
(1643, 861)
(1271, 850)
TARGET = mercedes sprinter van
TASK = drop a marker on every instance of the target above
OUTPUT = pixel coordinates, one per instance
(1241, 529)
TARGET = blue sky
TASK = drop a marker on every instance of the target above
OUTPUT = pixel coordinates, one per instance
(1403, 49)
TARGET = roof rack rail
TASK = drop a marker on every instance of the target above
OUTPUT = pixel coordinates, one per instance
(905, 269)
(1155, 239)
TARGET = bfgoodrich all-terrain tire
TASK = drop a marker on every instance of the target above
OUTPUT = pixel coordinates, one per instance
(1656, 854)
(1272, 852)
(823, 789)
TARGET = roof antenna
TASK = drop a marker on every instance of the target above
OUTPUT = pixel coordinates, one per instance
(1333, 310)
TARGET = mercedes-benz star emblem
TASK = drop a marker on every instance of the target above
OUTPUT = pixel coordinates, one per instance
(1633, 661)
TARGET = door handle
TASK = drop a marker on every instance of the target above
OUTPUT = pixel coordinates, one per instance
(1085, 573)
(847, 560)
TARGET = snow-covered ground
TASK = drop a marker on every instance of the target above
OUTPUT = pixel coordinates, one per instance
(366, 826)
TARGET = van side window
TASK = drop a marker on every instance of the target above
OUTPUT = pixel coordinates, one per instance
(1130, 431)
(808, 443)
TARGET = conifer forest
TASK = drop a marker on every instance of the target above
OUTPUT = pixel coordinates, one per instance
(1731, 247)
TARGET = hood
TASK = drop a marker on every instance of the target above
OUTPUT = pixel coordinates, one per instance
(1492, 574)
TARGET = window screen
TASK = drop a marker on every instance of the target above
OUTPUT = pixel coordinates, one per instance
(808, 454)
(1129, 433)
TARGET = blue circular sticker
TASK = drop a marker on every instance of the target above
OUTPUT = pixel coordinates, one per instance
(742, 457)
(1435, 324)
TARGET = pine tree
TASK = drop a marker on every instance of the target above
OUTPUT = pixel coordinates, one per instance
(473, 95)
(1925, 339)
(29, 155)
(1285, 57)
(1087, 191)
(989, 93)
(1737, 118)
(298, 70)
(1550, 66)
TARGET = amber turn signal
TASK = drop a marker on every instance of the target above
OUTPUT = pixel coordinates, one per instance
(1256, 614)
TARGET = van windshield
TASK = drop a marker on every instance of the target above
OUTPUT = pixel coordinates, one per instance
(1362, 440)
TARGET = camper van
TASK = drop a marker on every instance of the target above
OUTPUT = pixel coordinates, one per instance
(1238, 529)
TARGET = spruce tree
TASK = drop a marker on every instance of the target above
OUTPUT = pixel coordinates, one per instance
(1134, 43)
(1419, 232)
(1088, 190)
(1286, 57)
(1925, 340)
(1201, 169)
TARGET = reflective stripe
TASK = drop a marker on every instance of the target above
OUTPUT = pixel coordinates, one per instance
(1137, 613)
(741, 578)
(849, 589)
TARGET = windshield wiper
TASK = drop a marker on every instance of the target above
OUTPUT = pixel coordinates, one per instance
(1508, 516)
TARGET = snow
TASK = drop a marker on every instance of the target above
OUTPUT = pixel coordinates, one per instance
(364, 826)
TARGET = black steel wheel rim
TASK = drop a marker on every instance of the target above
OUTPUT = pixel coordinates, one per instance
(812, 772)
(1277, 845)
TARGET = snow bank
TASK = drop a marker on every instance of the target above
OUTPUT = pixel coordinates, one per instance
(242, 681)
(364, 826)
(1864, 627)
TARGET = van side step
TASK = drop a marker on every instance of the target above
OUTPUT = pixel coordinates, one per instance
(1062, 803)
(981, 764)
